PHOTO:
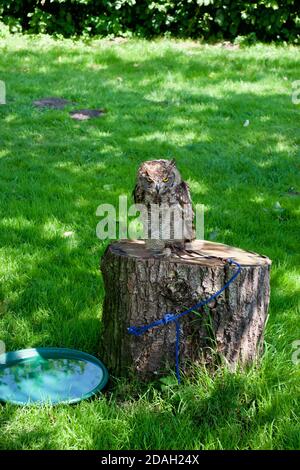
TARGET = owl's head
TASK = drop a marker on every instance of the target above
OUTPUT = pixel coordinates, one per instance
(158, 176)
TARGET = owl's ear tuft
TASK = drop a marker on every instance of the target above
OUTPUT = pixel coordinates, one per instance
(173, 162)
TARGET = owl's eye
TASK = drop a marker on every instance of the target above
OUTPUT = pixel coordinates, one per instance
(165, 180)
(149, 180)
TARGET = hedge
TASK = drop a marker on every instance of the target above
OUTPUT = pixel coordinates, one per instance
(266, 20)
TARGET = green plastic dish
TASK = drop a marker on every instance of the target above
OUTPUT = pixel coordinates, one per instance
(50, 376)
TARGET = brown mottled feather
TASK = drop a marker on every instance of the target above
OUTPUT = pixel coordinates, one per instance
(175, 194)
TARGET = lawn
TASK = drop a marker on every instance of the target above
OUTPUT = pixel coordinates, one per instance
(164, 98)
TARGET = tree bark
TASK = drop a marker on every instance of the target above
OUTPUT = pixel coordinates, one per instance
(141, 289)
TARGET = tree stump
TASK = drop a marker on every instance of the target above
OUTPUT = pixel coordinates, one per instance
(141, 289)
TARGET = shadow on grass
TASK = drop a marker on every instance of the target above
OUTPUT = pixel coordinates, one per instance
(226, 412)
(54, 168)
(55, 172)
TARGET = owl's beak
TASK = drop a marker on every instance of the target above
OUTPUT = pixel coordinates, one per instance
(157, 187)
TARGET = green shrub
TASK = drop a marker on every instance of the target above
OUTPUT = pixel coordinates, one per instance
(268, 20)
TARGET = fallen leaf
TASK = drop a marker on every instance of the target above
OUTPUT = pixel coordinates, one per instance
(68, 234)
(277, 206)
(108, 187)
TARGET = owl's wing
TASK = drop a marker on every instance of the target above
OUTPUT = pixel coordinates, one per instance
(183, 192)
(185, 202)
(138, 194)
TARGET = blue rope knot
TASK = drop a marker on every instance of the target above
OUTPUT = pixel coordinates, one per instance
(169, 317)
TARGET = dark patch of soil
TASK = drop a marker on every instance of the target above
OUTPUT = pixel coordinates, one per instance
(53, 103)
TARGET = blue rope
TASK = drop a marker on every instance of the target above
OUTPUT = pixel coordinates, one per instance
(172, 317)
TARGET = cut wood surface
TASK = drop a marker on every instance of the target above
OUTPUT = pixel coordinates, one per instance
(140, 289)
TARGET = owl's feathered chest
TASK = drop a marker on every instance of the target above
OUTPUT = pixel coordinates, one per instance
(179, 194)
(166, 212)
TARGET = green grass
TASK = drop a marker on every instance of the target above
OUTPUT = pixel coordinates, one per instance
(164, 99)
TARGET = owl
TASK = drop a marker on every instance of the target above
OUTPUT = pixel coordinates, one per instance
(167, 207)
